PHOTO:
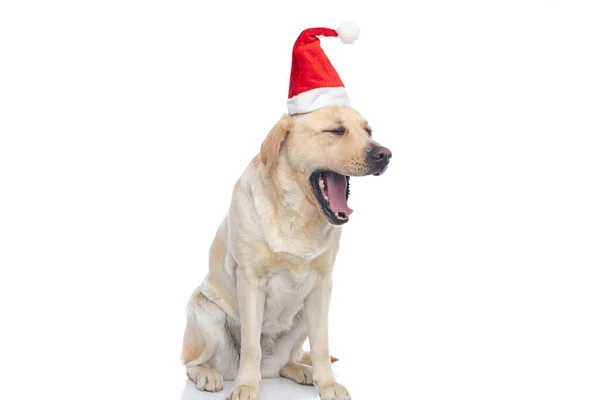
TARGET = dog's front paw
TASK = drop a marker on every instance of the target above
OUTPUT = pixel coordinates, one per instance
(333, 391)
(243, 392)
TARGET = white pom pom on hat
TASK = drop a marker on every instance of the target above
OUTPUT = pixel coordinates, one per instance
(348, 32)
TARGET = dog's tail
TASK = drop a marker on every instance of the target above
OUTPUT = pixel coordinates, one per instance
(304, 358)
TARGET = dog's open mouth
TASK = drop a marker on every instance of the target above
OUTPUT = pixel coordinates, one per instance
(332, 191)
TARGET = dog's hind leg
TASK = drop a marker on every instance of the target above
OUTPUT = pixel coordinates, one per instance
(283, 356)
(294, 368)
(304, 358)
(299, 365)
(207, 355)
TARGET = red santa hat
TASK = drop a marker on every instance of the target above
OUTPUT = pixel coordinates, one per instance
(314, 83)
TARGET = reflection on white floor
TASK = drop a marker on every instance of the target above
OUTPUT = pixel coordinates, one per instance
(270, 389)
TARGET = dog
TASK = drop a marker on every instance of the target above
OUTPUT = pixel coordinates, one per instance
(269, 282)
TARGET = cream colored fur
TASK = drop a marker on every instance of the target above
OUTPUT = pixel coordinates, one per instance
(269, 282)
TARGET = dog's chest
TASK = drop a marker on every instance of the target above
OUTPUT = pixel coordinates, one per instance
(286, 292)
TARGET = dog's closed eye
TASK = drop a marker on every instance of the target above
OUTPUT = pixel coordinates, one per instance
(340, 130)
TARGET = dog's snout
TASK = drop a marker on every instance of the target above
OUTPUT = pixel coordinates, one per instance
(379, 158)
(380, 154)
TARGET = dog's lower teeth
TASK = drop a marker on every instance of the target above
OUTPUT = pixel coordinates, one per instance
(325, 197)
(321, 183)
(340, 216)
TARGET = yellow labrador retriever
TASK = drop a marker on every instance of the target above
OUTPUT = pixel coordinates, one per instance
(269, 282)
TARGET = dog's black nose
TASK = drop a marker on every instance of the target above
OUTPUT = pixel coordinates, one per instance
(379, 158)
(380, 154)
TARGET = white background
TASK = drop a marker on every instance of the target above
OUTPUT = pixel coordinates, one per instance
(469, 271)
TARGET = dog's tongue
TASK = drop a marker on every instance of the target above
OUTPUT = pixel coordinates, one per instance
(336, 191)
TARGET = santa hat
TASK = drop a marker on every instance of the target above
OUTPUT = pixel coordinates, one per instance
(314, 83)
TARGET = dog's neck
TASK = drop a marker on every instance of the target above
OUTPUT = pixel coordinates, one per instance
(292, 196)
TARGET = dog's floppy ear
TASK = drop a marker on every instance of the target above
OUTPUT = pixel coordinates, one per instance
(269, 151)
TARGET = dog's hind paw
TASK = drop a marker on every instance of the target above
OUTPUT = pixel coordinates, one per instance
(297, 372)
(206, 378)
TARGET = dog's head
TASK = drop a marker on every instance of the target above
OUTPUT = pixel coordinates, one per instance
(324, 148)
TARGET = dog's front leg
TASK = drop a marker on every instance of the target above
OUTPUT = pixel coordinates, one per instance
(251, 303)
(316, 308)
